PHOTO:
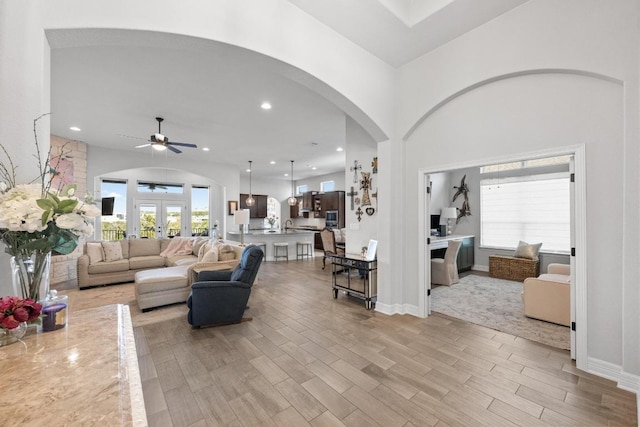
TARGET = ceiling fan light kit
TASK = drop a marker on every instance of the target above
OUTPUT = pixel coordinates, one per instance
(160, 142)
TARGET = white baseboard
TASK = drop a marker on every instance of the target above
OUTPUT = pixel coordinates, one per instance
(625, 380)
(484, 268)
(391, 309)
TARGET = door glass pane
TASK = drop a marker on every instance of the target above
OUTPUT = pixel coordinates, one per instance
(174, 220)
(200, 211)
(148, 216)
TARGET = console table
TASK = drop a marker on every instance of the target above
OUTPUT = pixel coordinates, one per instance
(84, 374)
(365, 287)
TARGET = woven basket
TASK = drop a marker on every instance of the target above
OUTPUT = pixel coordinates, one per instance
(511, 268)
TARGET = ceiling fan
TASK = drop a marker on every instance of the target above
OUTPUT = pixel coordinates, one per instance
(161, 142)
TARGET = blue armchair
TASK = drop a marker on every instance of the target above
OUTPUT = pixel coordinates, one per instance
(220, 297)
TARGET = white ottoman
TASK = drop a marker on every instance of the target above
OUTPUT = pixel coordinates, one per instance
(161, 286)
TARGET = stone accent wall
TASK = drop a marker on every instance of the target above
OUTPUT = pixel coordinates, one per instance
(71, 157)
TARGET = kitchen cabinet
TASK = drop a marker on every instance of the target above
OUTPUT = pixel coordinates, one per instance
(318, 210)
(308, 200)
(259, 209)
(333, 201)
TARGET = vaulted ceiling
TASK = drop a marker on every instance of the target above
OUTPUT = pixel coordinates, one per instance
(114, 92)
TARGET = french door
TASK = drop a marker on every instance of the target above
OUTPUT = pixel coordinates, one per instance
(160, 218)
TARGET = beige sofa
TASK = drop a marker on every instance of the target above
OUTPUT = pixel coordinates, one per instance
(137, 255)
(547, 297)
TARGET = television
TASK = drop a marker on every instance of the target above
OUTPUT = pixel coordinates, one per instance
(107, 205)
(435, 222)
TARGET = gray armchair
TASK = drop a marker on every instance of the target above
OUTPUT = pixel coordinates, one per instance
(220, 297)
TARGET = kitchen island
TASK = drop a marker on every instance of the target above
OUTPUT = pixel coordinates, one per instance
(291, 237)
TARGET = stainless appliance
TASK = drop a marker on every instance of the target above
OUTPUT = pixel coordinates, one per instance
(331, 219)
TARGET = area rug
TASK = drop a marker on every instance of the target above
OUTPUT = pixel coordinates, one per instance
(496, 304)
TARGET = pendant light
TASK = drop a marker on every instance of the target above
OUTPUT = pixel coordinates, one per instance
(250, 200)
(292, 200)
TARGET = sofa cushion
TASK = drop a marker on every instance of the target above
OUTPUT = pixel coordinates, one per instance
(94, 251)
(112, 251)
(150, 261)
(161, 279)
(198, 242)
(178, 246)
(144, 247)
(528, 251)
(212, 255)
(172, 261)
(226, 253)
(109, 267)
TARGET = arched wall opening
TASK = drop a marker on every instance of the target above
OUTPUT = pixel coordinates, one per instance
(526, 114)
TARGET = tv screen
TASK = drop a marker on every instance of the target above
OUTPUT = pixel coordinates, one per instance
(107, 205)
(435, 222)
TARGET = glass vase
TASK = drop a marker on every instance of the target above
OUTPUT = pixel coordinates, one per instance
(30, 275)
(9, 336)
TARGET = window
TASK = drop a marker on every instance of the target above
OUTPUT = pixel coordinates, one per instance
(327, 186)
(524, 164)
(300, 189)
(199, 211)
(114, 227)
(529, 208)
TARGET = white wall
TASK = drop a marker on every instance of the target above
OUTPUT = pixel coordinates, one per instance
(455, 97)
(360, 147)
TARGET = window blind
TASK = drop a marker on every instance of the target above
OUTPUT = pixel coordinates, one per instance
(532, 208)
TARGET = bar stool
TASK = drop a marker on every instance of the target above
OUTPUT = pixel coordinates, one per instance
(263, 246)
(303, 249)
(280, 250)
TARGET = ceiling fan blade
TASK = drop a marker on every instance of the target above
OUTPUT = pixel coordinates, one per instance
(182, 144)
(143, 145)
(175, 150)
(132, 137)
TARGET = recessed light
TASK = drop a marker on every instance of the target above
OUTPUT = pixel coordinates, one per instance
(205, 149)
(286, 174)
(272, 162)
(75, 128)
(248, 170)
(339, 149)
(314, 168)
(265, 106)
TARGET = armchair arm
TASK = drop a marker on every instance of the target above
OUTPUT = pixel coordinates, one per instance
(218, 285)
(83, 271)
(555, 268)
(214, 275)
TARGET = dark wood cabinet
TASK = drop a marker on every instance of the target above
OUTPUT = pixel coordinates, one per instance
(259, 209)
(308, 200)
(465, 258)
(318, 209)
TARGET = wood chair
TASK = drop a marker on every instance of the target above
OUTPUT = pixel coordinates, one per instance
(329, 245)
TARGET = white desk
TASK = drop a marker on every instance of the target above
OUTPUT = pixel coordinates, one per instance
(466, 255)
(443, 241)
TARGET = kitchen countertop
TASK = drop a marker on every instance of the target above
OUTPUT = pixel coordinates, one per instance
(290, 231)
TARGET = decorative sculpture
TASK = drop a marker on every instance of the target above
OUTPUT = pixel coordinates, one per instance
(365, 185)
(355, 168)
(351, 194)
(463, 189)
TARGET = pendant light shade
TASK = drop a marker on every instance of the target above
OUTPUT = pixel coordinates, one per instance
(250, 200)
(292, 199)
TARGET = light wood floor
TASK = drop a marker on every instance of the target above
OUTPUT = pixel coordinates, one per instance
(307, 359)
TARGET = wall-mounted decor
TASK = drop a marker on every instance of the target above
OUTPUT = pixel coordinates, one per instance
(233, 206)
(355, 168)
(374, 165)
(352, 194)
(463, 189)
(365, 185)
(370, 211)
(359, 214)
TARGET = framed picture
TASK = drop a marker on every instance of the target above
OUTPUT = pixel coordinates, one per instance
(371, 250)
(233, 206)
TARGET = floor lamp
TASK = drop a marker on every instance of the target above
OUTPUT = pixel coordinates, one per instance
(241, 218)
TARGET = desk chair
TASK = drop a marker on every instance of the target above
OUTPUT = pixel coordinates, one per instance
(444, 271)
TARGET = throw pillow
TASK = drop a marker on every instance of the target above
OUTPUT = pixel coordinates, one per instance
(203, 250)
(199, 242)
(226, 253)
(212, 255)
(528, 251)
(94, 251)
(112, 251)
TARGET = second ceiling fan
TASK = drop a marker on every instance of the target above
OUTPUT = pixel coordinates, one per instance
(161, 142)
